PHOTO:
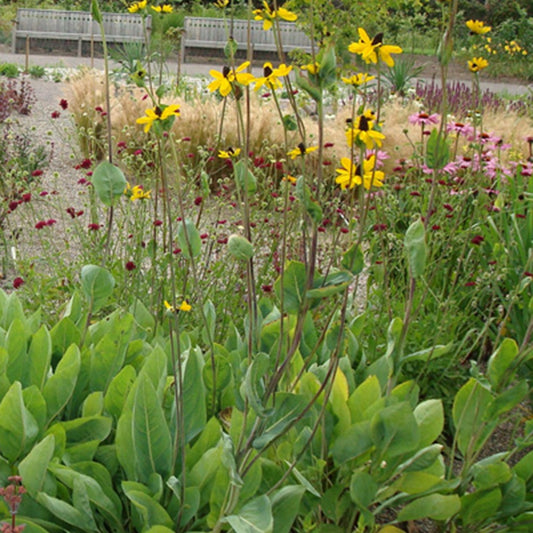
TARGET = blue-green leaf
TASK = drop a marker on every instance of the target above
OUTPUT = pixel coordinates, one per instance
(109, 182)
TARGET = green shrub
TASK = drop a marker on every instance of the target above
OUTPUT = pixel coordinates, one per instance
(10, 70)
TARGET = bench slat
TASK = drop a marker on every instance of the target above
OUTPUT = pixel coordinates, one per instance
(213, 33)
(50, 24)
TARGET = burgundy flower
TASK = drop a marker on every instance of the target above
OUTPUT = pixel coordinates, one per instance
(93, 227)
(13, 205)
(26, 197)
(158, 222)
(130, 265)
(198, 200)
(17, 282)
(266, 288)
(63, 104)
(55, 114)
(51, 221)
(40, 225)
(37, 173)
(477, 240)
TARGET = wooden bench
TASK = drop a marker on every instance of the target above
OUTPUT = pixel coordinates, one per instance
(212, 34)
(75, 27)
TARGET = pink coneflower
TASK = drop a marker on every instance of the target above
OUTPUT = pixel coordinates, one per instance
(494, 168)
(487, 138)
(423, 119)
(466, 130)
(381, 156)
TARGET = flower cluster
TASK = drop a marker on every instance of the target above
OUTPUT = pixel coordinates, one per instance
(477, 27)
(138, 6)
(224, 81)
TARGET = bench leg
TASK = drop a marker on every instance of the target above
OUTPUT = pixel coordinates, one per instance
(27, 58)
(79, 47)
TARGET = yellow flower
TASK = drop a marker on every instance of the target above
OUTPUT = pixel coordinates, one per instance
(268, 15)
(223, 80)
(372, 50)
(301, 150)
(351, 175)
(289, 178)
(477, 63)
(363, 131)
(477, 26)
(271, 75)
(138, 76)
(312, 68)
(356, 80)
(165, 8)
(138, 193)
(184, 306)
(221, 3)
(137, 6)
(158, 113)
(230, 153)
